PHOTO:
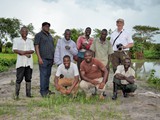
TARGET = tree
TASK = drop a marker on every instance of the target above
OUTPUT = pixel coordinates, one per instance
(55, 37)
(9, 28)
(97, 33)
(75, 33)
(145, 33)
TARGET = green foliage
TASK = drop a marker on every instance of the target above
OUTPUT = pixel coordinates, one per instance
(75, 33)
(97, 33)
(145, 33)
(154, 81)
(6, 63)
(149, 54)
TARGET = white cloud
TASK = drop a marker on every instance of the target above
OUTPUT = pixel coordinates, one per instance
(100, 14)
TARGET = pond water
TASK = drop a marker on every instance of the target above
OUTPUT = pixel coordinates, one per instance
(143, 69)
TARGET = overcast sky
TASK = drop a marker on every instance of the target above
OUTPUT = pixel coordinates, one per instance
(99, 14)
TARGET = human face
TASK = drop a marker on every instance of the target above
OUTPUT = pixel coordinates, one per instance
(120, 25)
(127, 63)
(88, 57)
(103, 35)
(67, 35)
(66, 62)
(46, 28)
(24, 32)
(87, 32)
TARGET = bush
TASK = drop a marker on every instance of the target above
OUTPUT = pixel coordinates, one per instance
(6, 63)
(150, 54)
(154, 81)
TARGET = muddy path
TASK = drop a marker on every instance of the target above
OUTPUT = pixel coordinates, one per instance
(145, 105)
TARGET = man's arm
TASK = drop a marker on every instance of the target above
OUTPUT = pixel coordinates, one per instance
(73, 49)
(105, 78)
(38, 54)
(87, 79)
(76, 81)
(56, 82)
(129, 79)
(21, 52)
(128, 46)
(57, 53)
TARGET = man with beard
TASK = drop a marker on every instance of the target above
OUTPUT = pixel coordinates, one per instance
(67, 77)
(94, 74)
(124, 79)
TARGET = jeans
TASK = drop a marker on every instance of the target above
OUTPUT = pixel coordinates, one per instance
(45, 73)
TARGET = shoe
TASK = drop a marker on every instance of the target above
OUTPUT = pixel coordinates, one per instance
(114, 97)
(124, 94)
(50, 92)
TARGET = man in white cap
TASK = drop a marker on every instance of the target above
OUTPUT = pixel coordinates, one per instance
(121, 42)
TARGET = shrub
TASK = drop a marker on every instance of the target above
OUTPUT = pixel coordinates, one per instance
(154, 81)
(6, 63)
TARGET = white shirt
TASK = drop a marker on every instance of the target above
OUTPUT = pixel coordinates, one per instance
(121, 70)
(25, 45)
(124, 38)
(68, 73)
(61, 51)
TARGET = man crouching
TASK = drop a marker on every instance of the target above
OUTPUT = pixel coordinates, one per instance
(67, 77)
(94, 75)
(124, 79)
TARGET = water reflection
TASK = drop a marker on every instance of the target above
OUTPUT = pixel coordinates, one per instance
(143, 69)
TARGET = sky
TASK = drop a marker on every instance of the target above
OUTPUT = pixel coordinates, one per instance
(63, 14)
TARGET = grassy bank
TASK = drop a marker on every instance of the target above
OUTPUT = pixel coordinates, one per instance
(8, 60)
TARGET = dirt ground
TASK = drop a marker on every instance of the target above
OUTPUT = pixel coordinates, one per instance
(145, 105)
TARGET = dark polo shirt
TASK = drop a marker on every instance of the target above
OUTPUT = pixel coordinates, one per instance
(46, 45)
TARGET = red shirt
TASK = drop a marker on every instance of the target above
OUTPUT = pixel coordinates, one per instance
(81, 40)
(92, 70)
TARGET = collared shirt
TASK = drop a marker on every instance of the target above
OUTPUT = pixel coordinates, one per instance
(102, 50)
(121, 70)
(92, 70)
(61, 51)
(124, 38)
(68, 73)
(82, 39)
(25, 45)
(46, 45)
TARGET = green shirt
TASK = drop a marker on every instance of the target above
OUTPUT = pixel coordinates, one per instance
(102, 50)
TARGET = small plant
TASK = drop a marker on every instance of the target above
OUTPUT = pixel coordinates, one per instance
(154, 81)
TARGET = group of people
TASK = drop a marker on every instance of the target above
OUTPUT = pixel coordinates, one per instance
(94, 57)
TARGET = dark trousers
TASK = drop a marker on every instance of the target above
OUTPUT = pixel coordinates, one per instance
(45, 73)
(79, 62)
(24, 72)
(128, 87)
(118, 58)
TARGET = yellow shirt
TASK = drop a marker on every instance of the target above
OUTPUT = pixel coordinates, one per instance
(121, 70)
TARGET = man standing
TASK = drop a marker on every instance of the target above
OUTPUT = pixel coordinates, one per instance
(121, 41)
(102, 48)
(44, 47)
(24, 48)
(83, 43)
(67, 75)
(94, 74)
(65, 46)
(124, 79)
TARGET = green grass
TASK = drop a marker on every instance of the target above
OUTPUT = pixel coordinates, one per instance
(14, 56)
(78, 108)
